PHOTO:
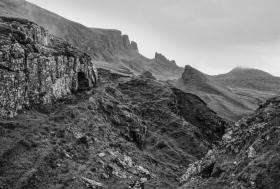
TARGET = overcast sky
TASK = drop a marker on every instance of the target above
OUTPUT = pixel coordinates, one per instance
(213, 36)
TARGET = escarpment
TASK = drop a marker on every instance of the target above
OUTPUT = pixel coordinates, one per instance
(114, 41)
(37, 67)
(134, 46)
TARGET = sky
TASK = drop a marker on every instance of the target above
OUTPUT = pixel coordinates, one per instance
(213, 36)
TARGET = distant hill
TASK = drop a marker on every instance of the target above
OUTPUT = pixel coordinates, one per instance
(220, 98)
(249, 78)
(108, 47)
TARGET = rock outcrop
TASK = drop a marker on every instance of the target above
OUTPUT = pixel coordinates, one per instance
(37, 67)
(192, 75)
(149, 75)
(126, 42)
(134, 46)
(114, 41)
(248, 156)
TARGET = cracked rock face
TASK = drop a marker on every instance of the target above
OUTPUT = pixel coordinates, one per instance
(37, 67)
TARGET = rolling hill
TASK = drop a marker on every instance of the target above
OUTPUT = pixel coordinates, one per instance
(232, 95)
(249, 78)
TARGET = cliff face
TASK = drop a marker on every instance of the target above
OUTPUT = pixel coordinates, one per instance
(114, 41)
(164, 69)
(134, 46)
(37, 67)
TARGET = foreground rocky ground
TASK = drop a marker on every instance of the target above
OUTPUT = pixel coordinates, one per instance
(248, 157)
(124, 133)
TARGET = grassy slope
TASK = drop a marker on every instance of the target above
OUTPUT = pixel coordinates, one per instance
(223, 100)
(252, 85)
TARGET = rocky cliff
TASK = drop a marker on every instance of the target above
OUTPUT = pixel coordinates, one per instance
(37, 67)
(115, 42)
(163, 68)
(134, 46)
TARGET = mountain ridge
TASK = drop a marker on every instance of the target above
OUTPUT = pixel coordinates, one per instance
(93, 41)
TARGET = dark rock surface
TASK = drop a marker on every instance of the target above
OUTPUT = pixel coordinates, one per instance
(124, 133)
(37, 67)
(247, 158)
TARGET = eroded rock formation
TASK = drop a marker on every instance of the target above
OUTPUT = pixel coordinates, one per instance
(126, 42)
(37, 67)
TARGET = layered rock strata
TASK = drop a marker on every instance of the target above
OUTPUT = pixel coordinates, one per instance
(37, 67)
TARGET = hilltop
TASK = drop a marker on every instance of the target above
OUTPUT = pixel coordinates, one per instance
(217, 96)
(249, 78)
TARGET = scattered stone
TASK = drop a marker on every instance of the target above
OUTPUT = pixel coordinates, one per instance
(105, 176)
(92, 183)
(143, 179)
(102, 154)
(251, 152)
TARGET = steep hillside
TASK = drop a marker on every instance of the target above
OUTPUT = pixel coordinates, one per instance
(123, 133)
(247, 158)
(251, 84)
(218, 97)
(109, 48)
